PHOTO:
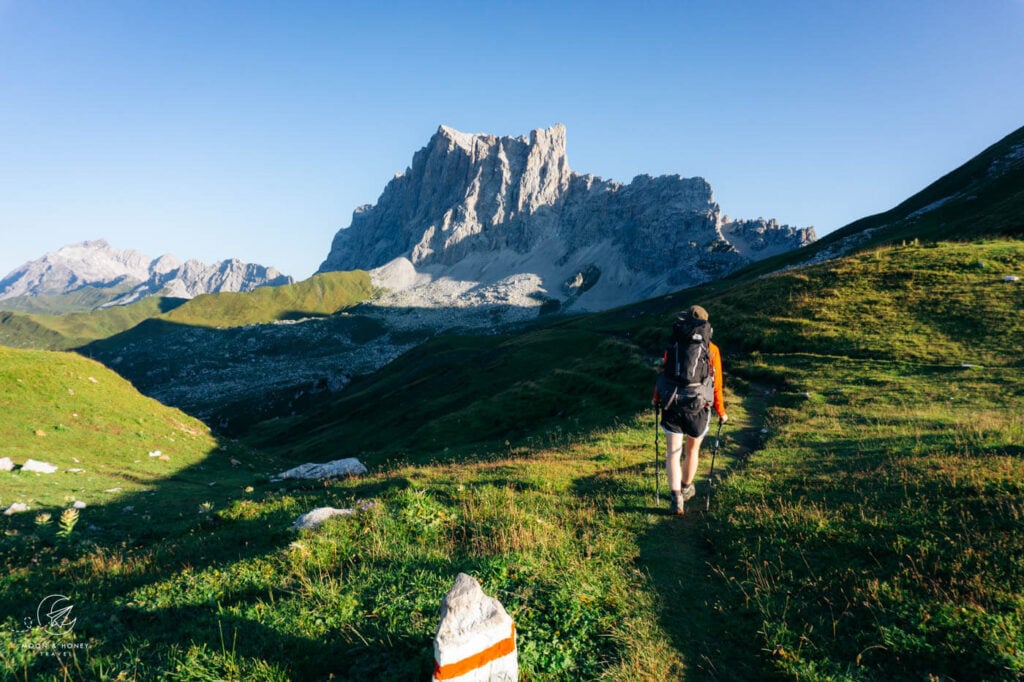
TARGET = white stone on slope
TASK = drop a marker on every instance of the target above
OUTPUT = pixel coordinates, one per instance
(39, 467)
(349, 466)
(315, 518)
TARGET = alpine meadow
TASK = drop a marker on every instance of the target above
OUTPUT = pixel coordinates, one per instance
(864, 521)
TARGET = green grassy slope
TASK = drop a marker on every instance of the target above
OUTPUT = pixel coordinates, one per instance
(321, 295)
(455, 393)
(70, 330)
(78, 415)
(893, 425)
(945, 305)
(869, 532)
(318, 296)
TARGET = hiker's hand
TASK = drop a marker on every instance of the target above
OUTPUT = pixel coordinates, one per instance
(724, 418)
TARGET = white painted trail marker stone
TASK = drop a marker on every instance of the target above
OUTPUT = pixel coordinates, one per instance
(476, 640)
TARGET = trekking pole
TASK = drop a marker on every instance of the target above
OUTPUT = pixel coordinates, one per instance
(711, 474)
(657, 459)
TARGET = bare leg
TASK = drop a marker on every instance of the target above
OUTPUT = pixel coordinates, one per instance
(673, 453)
(692, 457)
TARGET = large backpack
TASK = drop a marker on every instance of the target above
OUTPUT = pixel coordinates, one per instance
(686, 383)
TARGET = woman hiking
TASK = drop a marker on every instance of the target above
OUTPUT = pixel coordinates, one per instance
(689, 385)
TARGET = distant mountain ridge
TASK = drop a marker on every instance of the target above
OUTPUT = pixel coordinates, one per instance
(103, 275)
(508, 216)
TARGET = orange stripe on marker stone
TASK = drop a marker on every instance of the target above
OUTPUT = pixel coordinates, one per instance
(478, 660)
(476, 638)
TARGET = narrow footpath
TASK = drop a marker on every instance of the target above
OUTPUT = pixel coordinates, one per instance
(717, 640)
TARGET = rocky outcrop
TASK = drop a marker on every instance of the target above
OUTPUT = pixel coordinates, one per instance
(131, 274)
(481, 209)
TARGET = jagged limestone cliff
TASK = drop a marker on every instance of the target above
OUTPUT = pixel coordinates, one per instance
(483, 209)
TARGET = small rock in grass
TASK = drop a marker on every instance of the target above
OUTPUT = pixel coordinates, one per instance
(313, 519)
(38, 467)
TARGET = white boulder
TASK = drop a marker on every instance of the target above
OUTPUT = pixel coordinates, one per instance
(350, 466)
(6, 464)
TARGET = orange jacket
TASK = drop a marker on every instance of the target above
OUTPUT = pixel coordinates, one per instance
(716, 371)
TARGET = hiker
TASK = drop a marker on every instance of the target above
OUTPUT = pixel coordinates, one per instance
(689, 384)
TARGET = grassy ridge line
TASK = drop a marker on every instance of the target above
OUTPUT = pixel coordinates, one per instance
(321, 295)
(18, 330)
(77, 329)
(983, 198)
(945, 303)
(71, 330)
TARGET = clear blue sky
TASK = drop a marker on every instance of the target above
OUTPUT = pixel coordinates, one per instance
(252, 129)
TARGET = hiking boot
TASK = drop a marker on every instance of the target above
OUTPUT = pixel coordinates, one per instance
(675, 506)
(679, 497)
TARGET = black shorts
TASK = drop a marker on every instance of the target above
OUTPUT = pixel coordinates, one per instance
(693, 424)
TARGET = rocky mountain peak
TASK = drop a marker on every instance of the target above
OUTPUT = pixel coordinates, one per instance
(484, 208)
(95, 263)
(74, 266)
